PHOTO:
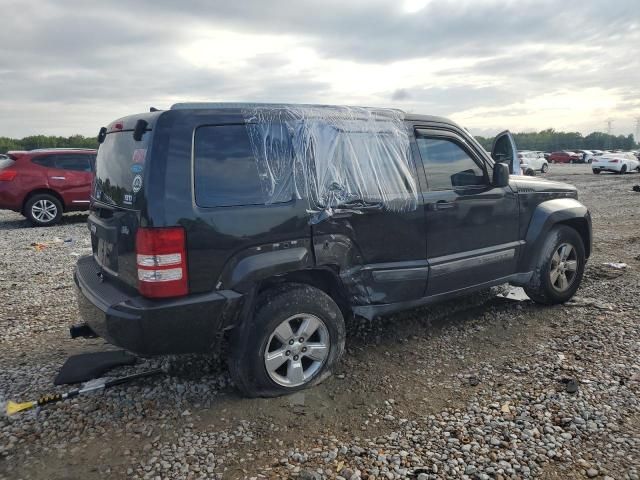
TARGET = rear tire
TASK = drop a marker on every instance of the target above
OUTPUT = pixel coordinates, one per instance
(623, 170)
(562, 257)
(293, 341)
(43, 210)
(596, 171)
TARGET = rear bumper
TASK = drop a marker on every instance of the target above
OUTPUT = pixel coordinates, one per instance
(606, 167)
(9, 199)
(152, 327)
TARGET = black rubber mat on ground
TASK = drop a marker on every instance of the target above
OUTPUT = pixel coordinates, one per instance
(87, 366)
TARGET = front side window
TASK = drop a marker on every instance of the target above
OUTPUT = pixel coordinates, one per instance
(225, 170)
(448, 166)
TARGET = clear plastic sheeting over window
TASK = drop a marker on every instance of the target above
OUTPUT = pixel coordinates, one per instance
(339, 158)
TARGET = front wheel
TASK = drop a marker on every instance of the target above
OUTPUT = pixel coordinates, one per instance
(545, 168)
(596, 171)
(558, 272)
(294, 340)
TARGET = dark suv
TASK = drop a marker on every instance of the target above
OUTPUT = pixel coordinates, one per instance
(269, 224)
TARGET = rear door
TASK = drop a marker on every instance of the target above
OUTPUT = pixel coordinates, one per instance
(71, 176)
(116, 200)
(471, 227)
(388, 242)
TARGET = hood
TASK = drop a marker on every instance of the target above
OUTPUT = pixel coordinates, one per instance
(523, 184)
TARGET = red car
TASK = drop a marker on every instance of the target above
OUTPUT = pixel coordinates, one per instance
(42, 184)
(565, 157)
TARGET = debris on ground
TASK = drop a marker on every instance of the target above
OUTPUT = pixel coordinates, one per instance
(616, 265)
(516, 294)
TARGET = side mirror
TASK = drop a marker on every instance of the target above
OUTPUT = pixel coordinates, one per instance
(500, 175)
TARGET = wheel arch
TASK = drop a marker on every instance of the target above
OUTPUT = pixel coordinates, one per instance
(561, 211)
(39, 191)
(324, 279)
(583, 227)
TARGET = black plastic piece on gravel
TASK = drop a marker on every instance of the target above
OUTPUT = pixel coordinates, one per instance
(87, 366)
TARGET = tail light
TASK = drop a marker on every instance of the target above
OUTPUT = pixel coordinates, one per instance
(615, 160)
(7, 175)
(162, 262)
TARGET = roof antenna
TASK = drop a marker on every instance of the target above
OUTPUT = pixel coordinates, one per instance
(153, 109)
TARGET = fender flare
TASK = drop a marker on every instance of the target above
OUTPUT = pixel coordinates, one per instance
(258, 263)
(560, 211)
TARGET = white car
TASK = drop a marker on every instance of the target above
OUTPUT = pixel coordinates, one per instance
(531, 162)
(622, 162)
(587, 155)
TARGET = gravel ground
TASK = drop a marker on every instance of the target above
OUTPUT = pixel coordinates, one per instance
(483, 387)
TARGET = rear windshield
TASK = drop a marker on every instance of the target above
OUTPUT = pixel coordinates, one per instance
(120, 168)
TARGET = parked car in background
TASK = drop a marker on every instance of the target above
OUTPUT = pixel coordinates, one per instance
(587, 155)
(565, 156)
(42, 184)
(622, 162)
(531, 162)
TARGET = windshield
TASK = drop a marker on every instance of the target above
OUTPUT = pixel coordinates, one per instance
(120, 168)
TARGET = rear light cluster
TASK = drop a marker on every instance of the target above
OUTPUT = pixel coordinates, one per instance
(162, 262)
(7, 175)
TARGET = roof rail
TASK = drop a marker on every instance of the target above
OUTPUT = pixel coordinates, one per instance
(61, 148)
(237, 105)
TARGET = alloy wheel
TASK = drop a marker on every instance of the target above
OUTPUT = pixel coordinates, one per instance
(564, 267)
(296, 350)
(44, 211)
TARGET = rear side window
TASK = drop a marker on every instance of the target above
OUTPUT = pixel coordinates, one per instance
(45, 161)
(78, 162)
(225, 168)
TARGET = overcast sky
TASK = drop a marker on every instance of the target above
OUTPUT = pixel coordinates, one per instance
(72, 66)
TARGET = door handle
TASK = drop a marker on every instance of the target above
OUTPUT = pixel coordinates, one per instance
(58, 178)
(444, 205)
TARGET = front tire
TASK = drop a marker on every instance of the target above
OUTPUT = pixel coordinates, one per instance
(545, 168)
(596, 171)
(560, 267)
(43, 210)
(293, 341)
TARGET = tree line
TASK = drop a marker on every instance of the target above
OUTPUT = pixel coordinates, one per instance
(46, 141)
(550, 140)
(546, 140)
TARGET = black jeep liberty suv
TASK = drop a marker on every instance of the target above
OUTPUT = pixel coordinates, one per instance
(270, 224)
